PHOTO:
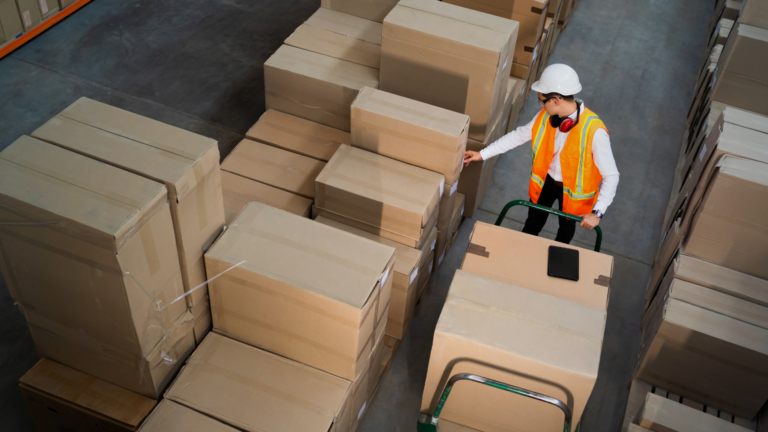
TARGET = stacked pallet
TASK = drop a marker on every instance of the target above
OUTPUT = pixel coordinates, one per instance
(705, 324)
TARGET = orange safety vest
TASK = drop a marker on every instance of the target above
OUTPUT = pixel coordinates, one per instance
(581, 178)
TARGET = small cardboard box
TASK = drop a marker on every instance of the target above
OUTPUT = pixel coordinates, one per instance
(300, 289)
(187, 163)
(10, 21)
(257, 391)
(450, 57)
(29, 11)
(239, 191)
(517, 336)
(521, 259)
(275, 167)
(341, 36)
(314, 86)
(729, 227)
(61, 398)
(297, 135)
(94, 267)
(410, 131)
(410, 263)
(661, 414)
(754, 13)
(739, 79)
(374, 10)
(173, 417)
(531, 14)
(708, 346)
(380, 192)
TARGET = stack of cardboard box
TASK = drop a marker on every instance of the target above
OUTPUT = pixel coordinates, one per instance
(507, 320)
(705, 325)
(20, 16)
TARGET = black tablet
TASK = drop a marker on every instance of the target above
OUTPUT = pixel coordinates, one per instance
(563, 263)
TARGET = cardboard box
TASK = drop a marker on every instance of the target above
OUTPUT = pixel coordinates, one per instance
(530, 14)
(300, 289)
(637, 392)
(519, 337)
(729, 227)
(61, 398)
(739, 77)
(48, 8)
(10, 21)
(172, 417)
(660, 414)
(410, 131)
(517, 104)
(713, 276)
(239, 191)
(29, 11)
(521, 259)
(449, 57)
(445, 208)
(380, 192)
(94, 267)
(410, 263)
(187, 163)
(257, 391)
(754, 13)
(297, 135)
(520, 71)
(201, 317)
(374, 10)
(341, 36)
(458, 215)
(275, 167)
(707, 346)
(314, 86)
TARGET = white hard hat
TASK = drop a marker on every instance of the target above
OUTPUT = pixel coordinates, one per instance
(558, 78)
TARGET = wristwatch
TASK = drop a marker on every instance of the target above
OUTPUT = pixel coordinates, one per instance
(597, 213)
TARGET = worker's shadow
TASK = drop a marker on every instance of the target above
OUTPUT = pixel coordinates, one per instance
(449, 372)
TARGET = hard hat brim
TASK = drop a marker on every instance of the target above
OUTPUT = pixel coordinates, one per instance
(565, 92)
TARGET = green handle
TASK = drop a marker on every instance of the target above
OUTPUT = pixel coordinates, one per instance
(511, 204)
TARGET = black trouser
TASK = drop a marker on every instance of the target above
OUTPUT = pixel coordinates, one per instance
(551, 192)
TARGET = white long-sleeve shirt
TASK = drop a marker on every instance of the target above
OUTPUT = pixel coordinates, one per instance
(601, 154)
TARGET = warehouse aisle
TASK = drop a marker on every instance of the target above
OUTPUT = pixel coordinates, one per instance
(198, 65)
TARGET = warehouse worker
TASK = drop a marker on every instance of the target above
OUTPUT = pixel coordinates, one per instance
(572, 158)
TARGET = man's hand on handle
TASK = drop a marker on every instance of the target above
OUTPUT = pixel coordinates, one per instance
(471, 156)
(589, 221)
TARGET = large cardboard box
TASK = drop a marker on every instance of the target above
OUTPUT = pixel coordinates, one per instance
(660, 414)
(340, 35)
(374, 10)
(754, 13)
(383, 193)
(61, 398)
(410, 131)
(530, 14)
(257, 391)
(521, 259)
(410, 263)
(239, 191)
(713, 276)
(314, 86)
(517, 336)
(707, 346)
(450, 57)
(10, 21)
(740, 76)
(89, 256)
(29, 11)
(300, 289)
(185, 162)
(173, 417)
(729, 227)
(275, 167)
(298, 135)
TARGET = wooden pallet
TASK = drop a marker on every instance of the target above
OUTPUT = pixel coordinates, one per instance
(43, 26)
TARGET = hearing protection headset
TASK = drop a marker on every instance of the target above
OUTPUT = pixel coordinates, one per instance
(566, 124)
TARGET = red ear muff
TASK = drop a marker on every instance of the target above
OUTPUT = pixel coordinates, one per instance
(566, 125)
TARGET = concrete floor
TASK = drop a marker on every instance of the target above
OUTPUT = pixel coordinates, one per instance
(197, 64)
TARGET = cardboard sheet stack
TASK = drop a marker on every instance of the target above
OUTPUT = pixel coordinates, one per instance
(505, 319)
(705, 325)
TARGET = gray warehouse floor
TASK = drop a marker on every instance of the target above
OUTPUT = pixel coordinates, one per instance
(197, 64)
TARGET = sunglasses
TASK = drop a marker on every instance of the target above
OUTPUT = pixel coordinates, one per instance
(544, 101)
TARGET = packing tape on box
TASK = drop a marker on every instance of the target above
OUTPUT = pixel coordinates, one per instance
(603, 280)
